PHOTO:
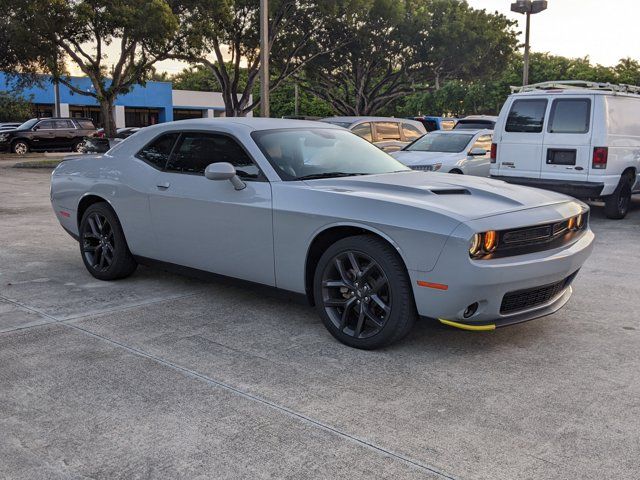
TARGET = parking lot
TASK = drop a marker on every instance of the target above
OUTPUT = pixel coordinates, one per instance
(165, 376)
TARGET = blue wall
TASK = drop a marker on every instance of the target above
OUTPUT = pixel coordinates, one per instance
(152, 95)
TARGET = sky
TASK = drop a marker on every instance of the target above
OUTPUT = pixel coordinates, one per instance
(605, 30)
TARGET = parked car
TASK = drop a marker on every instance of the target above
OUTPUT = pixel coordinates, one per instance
(579, 138)
(47, 134)
(126, 132)
(387, 133)
(311, 208)
(9, 126)
(99, 143)
(455, 151)
(432, 123)
(476, 122)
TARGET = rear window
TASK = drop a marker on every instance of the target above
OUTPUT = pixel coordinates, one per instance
(411, 132)
(441, 142)
(86, 124)
(570, 115)
(526, 116)
(474, 125)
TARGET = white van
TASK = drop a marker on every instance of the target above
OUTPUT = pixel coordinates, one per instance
(578, 138)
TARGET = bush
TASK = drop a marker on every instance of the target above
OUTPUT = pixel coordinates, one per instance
(14, 108)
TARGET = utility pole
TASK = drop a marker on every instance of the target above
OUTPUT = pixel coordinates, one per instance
(264, 58)
(56, 88)
(528, 7)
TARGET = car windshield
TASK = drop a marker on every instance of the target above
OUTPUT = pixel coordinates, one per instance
(440, 142)
(306, 153)
(474, 124)
(28, 124)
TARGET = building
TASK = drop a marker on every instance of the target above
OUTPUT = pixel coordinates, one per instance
(152, 103)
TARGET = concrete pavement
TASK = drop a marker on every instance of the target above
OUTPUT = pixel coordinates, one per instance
(162, 376)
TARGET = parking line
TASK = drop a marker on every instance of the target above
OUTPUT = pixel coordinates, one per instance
(249, 396)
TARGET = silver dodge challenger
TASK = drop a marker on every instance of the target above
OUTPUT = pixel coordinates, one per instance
(311, 208)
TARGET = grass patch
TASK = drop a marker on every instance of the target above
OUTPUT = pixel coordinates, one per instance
(52, 163)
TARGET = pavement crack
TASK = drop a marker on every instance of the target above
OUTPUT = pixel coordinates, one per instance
(427, 468)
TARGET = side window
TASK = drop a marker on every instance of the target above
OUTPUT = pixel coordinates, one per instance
(570, 115)
(363, 130)
(526, 116)
(484, 142)
(64, 124)
(198, 150)
(410, 132)
(157, 152)
(86, 124)
(47, 125)
(388, 131)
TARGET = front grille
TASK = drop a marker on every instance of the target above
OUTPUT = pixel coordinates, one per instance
(533, 297)
(425, 168)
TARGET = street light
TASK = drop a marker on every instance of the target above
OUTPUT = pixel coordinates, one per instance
(528, 7)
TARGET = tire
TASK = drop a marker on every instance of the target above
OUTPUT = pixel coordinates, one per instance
(78, 147)
(351, 306)
(103, 246)
(616, 205)
(20, 147)
(457, 172)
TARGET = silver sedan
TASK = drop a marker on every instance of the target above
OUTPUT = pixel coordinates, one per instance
(311, 208)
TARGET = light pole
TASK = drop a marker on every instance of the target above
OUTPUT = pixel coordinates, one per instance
(264, 58)
(528, 7)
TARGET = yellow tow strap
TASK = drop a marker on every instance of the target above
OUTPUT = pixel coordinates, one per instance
(464, 326)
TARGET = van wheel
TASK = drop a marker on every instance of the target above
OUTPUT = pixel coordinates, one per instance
(616, 205)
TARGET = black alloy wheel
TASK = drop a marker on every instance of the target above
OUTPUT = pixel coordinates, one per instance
(102, 244)
(363, 293)
(356, 294)
(98, 243)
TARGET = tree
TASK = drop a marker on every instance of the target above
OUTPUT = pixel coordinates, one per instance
(14, 108)
(230, 34)
(54, 31)
(393, 48)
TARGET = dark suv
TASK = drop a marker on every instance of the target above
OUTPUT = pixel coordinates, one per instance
(40, 134)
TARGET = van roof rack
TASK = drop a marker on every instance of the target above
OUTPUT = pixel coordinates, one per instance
(569, 84)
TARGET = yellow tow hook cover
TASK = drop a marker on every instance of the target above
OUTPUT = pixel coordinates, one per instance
(464, 326)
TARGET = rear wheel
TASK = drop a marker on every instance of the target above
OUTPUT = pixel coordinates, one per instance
(20, 147)
(363, 293)
(616, 205)
(79, 146)
(102, 244)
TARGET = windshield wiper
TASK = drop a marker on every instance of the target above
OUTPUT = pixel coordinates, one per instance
(315, 176)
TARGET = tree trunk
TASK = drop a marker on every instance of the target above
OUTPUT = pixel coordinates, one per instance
(107, 110)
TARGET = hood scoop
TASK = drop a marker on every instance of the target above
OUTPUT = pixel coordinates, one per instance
(450, 191)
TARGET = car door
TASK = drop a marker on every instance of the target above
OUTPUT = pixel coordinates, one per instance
(567, 139)
(208, 224)
(520, 151)
(44, 135)
(65, 135)
(479, 164)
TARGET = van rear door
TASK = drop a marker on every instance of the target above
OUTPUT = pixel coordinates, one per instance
(520, 144)
(567, 139)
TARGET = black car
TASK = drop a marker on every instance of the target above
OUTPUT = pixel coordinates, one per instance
(47, 134)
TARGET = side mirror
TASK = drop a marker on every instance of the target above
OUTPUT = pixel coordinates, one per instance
(476, 152)
(224, 171)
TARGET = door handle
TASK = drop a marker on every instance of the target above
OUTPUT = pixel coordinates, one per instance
(163, 186)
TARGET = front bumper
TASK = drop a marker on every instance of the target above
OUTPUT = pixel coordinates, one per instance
(486, 282)
(574, 188)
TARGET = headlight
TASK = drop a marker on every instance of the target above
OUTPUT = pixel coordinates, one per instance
(436, 166)
(483, 243)
(3, 137)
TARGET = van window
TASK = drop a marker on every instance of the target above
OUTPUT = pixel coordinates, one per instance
(570, 115)
(526, 116)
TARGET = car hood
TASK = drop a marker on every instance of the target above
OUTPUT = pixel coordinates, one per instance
(460, 196)
(426, 158)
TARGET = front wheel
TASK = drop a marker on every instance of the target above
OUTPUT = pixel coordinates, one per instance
(20, 147)
(79, 147)
(102, 244)
(616, 205)
(363, 293)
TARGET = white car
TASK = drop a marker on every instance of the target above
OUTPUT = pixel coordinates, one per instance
(453, 151)
(578, 138)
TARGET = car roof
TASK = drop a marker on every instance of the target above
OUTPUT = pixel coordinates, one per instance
(470, 131)
(480, 117)
(240, 123)
(356, 119)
